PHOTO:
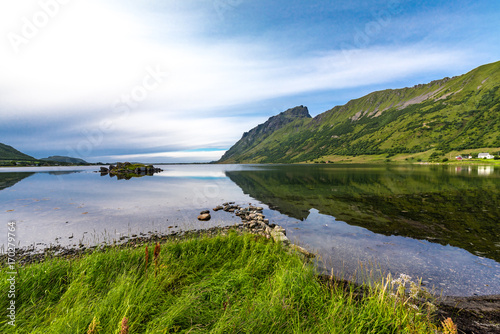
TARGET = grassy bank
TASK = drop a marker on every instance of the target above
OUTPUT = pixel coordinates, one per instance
(433, 156)
(223, 284)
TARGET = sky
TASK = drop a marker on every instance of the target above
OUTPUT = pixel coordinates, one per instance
(180, 81)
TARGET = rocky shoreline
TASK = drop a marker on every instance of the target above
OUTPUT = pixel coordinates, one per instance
(472, 315)
(254, 221)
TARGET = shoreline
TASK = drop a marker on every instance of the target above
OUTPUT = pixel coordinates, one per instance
(473, 314)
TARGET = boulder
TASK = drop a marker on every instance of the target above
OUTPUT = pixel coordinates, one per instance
(204, 217)
(279, 229)
(279, 237)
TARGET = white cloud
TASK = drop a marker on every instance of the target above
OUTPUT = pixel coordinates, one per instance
(177, 156)
(92, 54)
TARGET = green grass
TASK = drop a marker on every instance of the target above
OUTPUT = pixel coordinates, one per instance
(223, 284)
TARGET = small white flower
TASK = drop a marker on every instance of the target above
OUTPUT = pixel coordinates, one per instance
(405, 278)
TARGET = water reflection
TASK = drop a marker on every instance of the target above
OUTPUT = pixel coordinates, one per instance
(427, 203)
(344, 247)
(434, 222)
(485, 170)
(9, 179)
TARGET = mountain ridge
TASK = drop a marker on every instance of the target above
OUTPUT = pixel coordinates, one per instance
(10, 153)
(449, 114)
(70, 160)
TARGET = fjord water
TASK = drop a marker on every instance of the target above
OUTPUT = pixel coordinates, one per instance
(439, 223)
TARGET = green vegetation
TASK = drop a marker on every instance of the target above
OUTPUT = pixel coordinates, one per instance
(222, 284)
(445, 115)
(126, 170)
(63, 159)
(9, 156)
(9, 153)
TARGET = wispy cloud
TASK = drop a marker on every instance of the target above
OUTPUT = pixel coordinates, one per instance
(94, 55)
(175, 156)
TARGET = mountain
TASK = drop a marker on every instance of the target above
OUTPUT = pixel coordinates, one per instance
(451, 114)
(58, 158)
(9, 153)
(260, 133)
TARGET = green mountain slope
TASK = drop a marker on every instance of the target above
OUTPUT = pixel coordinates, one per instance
(9, 153)
(450, 114)
(58, 158)
(260, 133)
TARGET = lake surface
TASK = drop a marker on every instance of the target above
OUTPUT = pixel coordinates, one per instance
(438, 223)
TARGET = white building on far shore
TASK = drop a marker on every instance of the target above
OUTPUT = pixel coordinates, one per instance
(485, 156)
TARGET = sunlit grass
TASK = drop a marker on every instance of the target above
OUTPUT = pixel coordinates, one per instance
(222, 284)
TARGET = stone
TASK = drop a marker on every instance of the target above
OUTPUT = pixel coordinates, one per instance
(204, 217)
(204, 212)
(279, 229)
(279, 237)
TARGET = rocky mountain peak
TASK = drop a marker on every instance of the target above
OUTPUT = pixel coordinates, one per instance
(262, 131)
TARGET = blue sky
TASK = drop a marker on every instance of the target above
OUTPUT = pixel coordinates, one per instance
(180, 81)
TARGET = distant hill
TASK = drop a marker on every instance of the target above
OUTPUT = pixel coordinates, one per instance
(69, 160)
(9, 153)
(451, 114)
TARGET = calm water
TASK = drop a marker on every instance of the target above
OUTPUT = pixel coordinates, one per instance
(440, 223)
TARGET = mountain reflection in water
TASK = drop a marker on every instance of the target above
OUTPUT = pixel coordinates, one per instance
(441, 204)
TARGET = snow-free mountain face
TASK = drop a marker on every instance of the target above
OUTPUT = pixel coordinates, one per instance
(9, 153)
(451, 114)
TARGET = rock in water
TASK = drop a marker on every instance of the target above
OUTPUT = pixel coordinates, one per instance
(204, 217)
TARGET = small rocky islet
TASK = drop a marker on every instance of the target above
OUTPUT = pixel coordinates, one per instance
(127, 170)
